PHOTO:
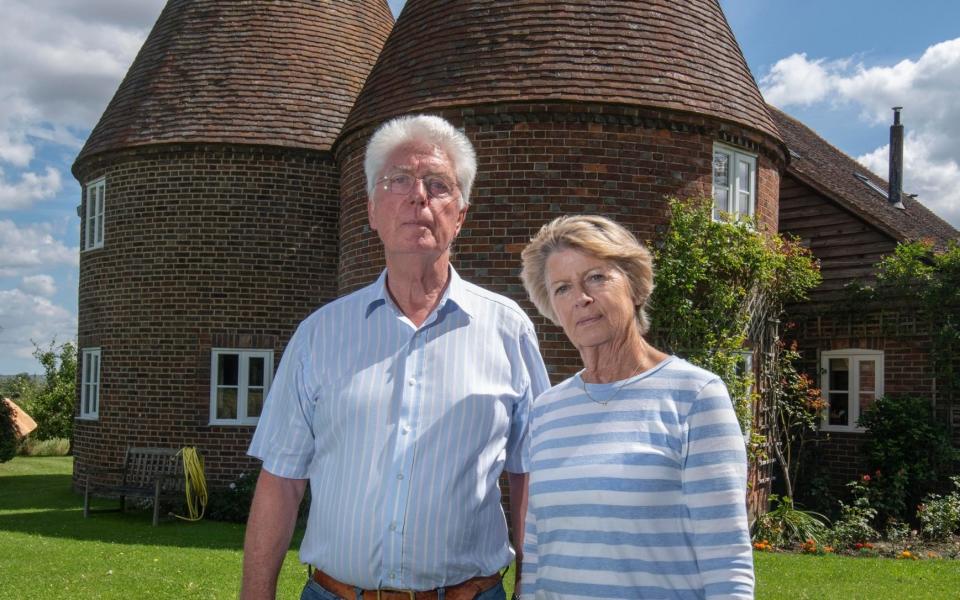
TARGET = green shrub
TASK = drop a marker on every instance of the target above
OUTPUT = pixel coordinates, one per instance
(51, 447)
(786, 524)
(911, 452)
(940, 515)
(8, 433)
(856, 519)
(713, 281)
(232, 503)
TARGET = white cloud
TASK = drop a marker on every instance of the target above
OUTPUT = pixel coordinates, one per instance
(935, 181)
(39, 285)
(928, 89)
(29, 189)
(797, 80)
(25, 317)
(61, 62)
(26, 249)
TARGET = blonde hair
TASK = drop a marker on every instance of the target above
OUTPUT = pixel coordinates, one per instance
(596, 236)
(422, 128)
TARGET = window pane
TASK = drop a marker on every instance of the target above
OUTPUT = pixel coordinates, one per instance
(721, 169)
(226, 403)
(228, 369)
(868, 376)
(839, 410)
(720, 201)
(839, 374)
(744, 204)
(254, 402)
(256, 371)
(743, 177)
(866, 401)
(95, 374)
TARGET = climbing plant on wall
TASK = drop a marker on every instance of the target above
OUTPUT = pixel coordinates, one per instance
(720, 283)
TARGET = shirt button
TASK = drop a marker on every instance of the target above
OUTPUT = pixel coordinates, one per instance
(412, 381)
(393, 575)
(393, 526)
(399, 475)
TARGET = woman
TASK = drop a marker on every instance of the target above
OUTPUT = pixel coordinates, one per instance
(638, 472)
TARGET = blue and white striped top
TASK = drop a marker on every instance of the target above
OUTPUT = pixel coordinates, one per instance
(644, 497)
(403, 433)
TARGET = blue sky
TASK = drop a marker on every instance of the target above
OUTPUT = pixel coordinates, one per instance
(837, 66)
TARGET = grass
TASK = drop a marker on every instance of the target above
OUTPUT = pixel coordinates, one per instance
(48, 550)
(54, 447)
(802, 577)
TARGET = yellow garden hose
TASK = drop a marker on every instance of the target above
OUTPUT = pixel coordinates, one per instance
(195, 482)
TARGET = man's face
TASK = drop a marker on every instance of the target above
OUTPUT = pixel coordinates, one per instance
(416, 223)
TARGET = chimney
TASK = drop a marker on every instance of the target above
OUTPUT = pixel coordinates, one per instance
(895, 191)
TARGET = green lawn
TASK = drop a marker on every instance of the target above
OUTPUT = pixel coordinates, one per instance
(48, 550)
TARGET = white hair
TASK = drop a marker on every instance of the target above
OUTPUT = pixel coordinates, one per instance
(422, 128)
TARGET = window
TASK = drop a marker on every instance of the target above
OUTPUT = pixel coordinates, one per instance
(93, 226)
(240, 381)
(745, 368)
(90, 384)
(734, 182)
(852, 382)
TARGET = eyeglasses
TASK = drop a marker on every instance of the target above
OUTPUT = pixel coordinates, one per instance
(400, 184)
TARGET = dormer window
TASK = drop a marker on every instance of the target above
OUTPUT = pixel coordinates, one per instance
(734, 182)
(93, 222)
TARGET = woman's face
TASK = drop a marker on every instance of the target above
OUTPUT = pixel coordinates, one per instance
(591, 298)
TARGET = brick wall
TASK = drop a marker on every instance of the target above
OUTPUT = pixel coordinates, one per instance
(907, 370)
(539, 161)
(205, 246)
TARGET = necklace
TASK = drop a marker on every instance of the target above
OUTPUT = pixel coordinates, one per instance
(617, 391)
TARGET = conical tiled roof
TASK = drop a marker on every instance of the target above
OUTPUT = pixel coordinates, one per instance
(652, 53)
(283, 73)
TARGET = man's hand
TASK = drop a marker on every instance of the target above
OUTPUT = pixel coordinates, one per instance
(519, 489)
(273, 515)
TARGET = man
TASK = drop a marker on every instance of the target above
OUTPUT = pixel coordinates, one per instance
(401, 403)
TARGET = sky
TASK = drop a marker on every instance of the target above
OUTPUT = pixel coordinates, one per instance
(839, 67)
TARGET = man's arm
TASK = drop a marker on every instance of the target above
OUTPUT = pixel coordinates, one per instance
(273, 515)
(519, 488)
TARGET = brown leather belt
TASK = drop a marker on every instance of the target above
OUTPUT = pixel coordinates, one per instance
(467, 590)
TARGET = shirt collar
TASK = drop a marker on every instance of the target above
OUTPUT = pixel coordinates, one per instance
(456, 292)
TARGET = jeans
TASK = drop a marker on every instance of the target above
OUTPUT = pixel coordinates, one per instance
(313, 591)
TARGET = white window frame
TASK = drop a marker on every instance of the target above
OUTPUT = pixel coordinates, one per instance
(734, 158)
(90, 384)
(855, 356)
(242, 382)
(96, 193)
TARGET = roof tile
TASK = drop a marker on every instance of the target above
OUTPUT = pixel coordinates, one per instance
(653, 53)
(284, 72)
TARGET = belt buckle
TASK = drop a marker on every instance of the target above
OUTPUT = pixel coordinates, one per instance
(410, 593)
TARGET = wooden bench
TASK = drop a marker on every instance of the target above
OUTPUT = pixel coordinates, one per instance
(149, 473)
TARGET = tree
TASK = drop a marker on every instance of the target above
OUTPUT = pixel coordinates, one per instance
(53, 405)
(8, 433)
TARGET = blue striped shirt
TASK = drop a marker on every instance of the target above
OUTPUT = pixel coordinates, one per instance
(644, 497)
(403, 433)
